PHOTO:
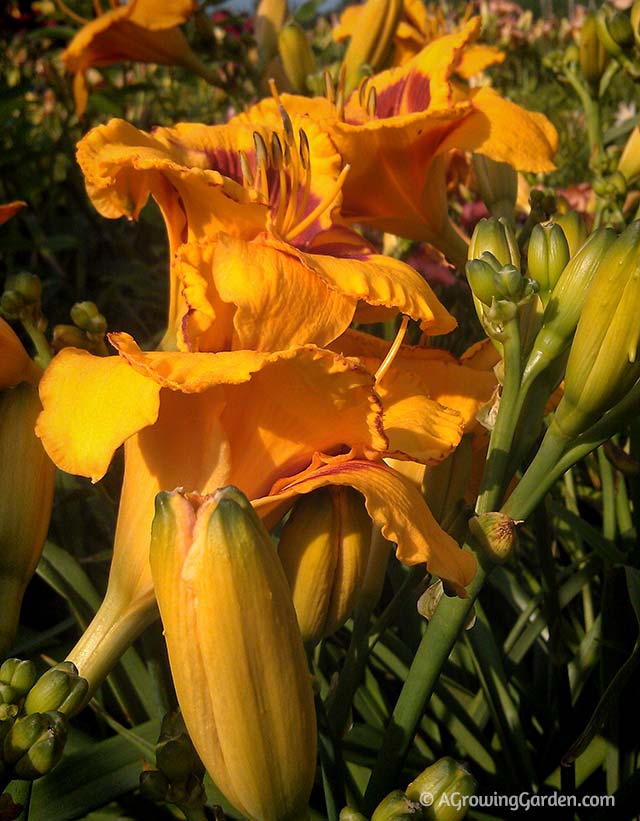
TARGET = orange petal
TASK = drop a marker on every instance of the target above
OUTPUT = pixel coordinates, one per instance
(393, 503)
(10, 209)
(158, 14)
(15, 363)
(90, 406)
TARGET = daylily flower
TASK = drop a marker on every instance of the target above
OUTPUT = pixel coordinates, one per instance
(418, 26)
(270, 423)
(396, 130)
(26, 480)
(144, 31)
(259, 258)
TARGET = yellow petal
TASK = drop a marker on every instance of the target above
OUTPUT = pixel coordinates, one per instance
(394, 503)
(478, 57)
(158, 14)
(90, 406)
(15, 363)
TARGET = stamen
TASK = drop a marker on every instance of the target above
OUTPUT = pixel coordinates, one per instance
(329, 90)
(326, 203)
(247, 173)
(286, 124)
(340, 96)
(278, 163)
(305, 163)
(362, 90)
(276, 151)
(393, 350)
(273, 88)
(66, 10)
(372, 102)
(261, 183)
(305, 151)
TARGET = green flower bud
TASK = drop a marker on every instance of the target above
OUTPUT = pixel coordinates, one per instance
(45, 751)
(175, 758)
(70, 336)
(498, 185)
(614, 30)
(548, 253)
(495, 236)
(19, 675)
(88, 318)
(154, 785)
(60, 688)
(510, 283)
(635, 20)
(435, 787)
(296, 55)
(189, 793)
(347, 814)
(481, 278)
(566, 302)
(396, 807)
(629, 163)
(12, 304)
(27, 285)
(593, 56)
(603, 363)
(575, 231)
(24, 733)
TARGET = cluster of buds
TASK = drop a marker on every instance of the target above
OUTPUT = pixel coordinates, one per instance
(178, 776)
(33, 716)
(439, 793)
(21, 298)
(87, 332)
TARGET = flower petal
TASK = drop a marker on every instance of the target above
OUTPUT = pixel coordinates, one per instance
(15, 363)
(393, 503)
(10, 209)
(90, 406)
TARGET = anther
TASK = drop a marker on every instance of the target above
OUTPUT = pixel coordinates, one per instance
(276, 151)
(329, 90)
(305, 152)
(372, 102)
(286, 124)
(247, 173)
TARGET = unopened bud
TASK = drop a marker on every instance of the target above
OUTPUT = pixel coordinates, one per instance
(60, 688)
(593, 56)
(548, 253)
(296, 55)
(496, 237)
(498, 185)
(603, 363)
(629, 164)
(27, 285)
(324, 548)
(12, 304)
(371, 43)
(614, 30)
(634, 18)
(35, 743)
(444, 778)
(154, 785)
(19, 676)
(396, 807)
(566, 303)
(347, 814)
(88, 318)
(575, 231)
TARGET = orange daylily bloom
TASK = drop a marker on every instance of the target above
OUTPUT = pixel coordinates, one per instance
(418, 26)
(144, 31)
(16, 365)
(203, 420)
(396, 130)
(251, 207)
(10, 209)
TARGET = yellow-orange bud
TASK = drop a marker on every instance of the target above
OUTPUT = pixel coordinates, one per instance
(270, 17)
(629, 164)
(324, 548)
(26, 495)
(371, 43)
(296, 55)
(235, 650)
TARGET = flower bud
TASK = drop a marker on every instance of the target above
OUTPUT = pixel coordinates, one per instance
(27, 285)
(88, 318)
(614, 30)
(548, 253)
(566, 303)
(296, 55)
(17, 676)
(495, 533)
(70, 336)
(603, 363)
(12, 304)
(269, 19)
(635, 20)
(35, 743)
(396, 807)
(371, 42)
(347, 814)
(575, 231)
(498, 185)
(445, 777)
(481, 278)
(495, 236)
(60, 688)
(26, 496)
(176, 757)
(154, 785)
(236, 654)
(323, 549)
(629, 163)
(593, 57)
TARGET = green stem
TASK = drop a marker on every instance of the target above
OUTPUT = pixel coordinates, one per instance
(494, 479)
(608, 497)
(437, 642)
(43, 351)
